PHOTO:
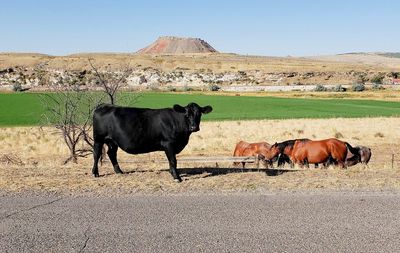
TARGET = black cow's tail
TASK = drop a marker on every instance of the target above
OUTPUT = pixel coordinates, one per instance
(354, 151)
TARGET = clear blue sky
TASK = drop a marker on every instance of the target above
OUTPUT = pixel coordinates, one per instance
(276, 28)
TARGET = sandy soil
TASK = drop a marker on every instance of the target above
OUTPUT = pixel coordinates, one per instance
(32, 159)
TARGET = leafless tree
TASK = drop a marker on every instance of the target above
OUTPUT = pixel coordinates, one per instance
(112, 82)
(70, 111)
(69, 108)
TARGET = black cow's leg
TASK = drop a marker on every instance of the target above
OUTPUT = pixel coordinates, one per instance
(281, 160)
(172, 164)
(306, 163)
(97, 150)
(112, 154)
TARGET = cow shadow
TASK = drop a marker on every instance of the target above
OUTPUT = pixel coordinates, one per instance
(210, 171)
(216, 171)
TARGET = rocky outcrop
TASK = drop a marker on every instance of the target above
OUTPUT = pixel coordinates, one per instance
(151, 78)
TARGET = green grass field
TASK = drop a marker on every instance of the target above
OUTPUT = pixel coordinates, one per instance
(24, 109)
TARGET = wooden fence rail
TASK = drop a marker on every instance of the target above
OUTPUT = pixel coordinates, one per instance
(206, 159)
(389, 159)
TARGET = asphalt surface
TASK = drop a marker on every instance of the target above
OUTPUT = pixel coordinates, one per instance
(275, 222)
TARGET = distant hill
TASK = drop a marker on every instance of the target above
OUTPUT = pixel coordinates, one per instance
(392, 55)
(384, 59)
(177, 45)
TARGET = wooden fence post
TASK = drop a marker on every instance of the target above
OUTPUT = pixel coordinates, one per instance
(392, 160)
(258, 162)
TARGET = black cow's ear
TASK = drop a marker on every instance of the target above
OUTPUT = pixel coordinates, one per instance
(206, 109)
(179, 108)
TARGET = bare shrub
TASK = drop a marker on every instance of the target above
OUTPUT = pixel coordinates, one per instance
(154, 87)
(320, 87)
(214, 87)
(338, 135)
(171, 89)
(11, 159)
(112, 84)
(17, 87)
(187, 88)
(70, 108)
(377, 86)
(378, 78)
(358, 87)
(339, 88)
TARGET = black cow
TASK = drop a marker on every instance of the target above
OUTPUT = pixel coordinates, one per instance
(143, 130)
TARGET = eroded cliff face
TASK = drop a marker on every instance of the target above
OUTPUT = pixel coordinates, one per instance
(152, 78)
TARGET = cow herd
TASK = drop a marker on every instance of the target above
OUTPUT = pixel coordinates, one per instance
(304, 152)
(143, 130)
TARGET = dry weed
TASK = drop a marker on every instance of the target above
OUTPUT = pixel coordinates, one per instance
(10, 159)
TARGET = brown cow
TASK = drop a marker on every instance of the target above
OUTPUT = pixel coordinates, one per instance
(251, 149)
(320, 152)
(283, 151)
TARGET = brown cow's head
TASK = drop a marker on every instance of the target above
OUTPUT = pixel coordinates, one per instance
(272, 152)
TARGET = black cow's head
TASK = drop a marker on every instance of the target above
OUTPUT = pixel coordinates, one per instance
(193, 114)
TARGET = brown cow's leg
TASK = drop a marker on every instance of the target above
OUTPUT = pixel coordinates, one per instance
(306, 163)
(301, 161)
(339, 158)
(341, 165)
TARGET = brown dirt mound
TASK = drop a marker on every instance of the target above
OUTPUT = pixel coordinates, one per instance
(176, 45)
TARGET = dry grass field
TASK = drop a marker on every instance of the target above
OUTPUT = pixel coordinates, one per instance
(194, 62)
(31, 159)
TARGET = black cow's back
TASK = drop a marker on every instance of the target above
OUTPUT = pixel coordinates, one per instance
(140, 130)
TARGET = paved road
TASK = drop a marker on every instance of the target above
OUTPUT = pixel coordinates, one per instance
(276, 222)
